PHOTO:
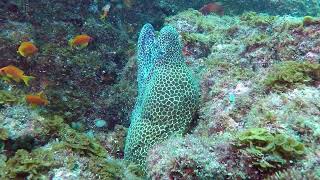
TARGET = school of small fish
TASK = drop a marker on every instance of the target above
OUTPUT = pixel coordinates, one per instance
(28, 49)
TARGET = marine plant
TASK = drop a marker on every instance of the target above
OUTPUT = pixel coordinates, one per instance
(114, 141)
(42, 163)
(82, 144)
(257, 40)
(309, 20)
(7, 97)
(77, 141)
(167, 93)
(3, 134)
(73, 149)
(114, 169)
(53, 124)
(32, 165)
(290, 74)
(189, 157)
(254, 19)
(294, 174)
(269, 150)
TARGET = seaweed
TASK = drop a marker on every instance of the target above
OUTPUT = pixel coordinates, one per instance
(290, 74)
(53, 125)
(114, 169)
(309, 20)
(3, 134)
(82, 144)
(254, 19)
(269, 150)
(3, 137)
(7, 97)
(32, 165)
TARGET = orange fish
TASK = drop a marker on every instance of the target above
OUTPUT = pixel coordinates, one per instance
(38, 99)
(212, 7)
(13, 73)
(81, 41)
(27, 49)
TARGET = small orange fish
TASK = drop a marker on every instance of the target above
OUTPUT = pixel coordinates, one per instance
(27, 49)
(38, 99)
(212, 7)
(81, 41)
(13, 73)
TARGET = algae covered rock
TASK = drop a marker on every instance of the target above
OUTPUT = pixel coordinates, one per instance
(190, 157)
(167, 93)
(71, 155)
(270, 150)
(20, 121)
(34, 164)
(289, 74)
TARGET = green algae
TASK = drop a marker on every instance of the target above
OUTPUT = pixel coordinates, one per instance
(73, 139)
(196, 24)
(290, 74)
(37, 163)
(309, 20)
(105, 169)
(114, 169)
(32, 165)
(231, 69)
(53, 124)
(4, 134)
(269, 150)
(258, 39)
(190, 38)
(82, 144)
(254, 19)
(6, 97)
(295, 173)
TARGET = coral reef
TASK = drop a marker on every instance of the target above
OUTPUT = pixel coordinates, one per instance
(294, 112)
(258, 70)
(185, 158)
(294, 174)
(6, 97)
(290, 74)
(292, 7)
(252, 39)
(260, 91)
(87, 75)
(33, 165)
(58, 161)
(236, 7)
(270, 149)
(15, 119)
(114, 141)
(71, 155)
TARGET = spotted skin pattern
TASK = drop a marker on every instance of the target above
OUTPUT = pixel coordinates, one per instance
(168, 94)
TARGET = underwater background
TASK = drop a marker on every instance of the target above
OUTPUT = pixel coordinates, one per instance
(159, 89)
